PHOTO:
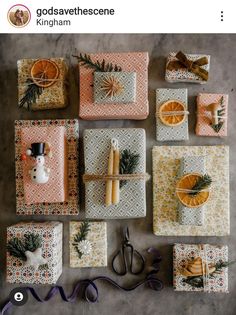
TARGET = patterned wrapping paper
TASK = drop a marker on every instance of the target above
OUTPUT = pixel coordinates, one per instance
(71, 205)
(54, 96)
(97, 143)
(191, 216)
(127, 81)
(166, 165)
(168, 133)
(97, 236)
(55, 190)
(203, 126)
(130, 62)
(52, 234)
(182, 253)
(183, 75)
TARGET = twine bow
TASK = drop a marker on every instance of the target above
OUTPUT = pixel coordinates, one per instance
(191, 66)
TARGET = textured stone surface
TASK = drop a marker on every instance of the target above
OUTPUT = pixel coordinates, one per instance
(222, 80)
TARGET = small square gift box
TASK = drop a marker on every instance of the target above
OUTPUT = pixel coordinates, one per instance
(115, 173)
(113, 85)
(88, 244)
(190, 68)
(46, 167)
(42, 83)
(172, 114)
(200, 267)
(34, 252)
(212, 115)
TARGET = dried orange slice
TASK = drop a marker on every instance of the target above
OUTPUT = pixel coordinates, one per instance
(172, 113)
(44, 72)
(186, 183)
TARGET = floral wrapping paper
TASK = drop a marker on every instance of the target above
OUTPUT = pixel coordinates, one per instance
(130, 62)
(166, 166)
(191, 216)
(51, 233)
(126, 79)
(182, 253)
(71, 205)
(97, 236)
(54, 96)
(168, 133)
(204, 118)
(183, 75)
(97, 143)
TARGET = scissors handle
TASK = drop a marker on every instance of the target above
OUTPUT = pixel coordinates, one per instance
(139, 257)
(123, 270)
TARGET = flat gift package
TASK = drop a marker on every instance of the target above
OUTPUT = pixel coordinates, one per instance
(192, 68)
(46, 157)
(88, 244)
(172, 114)
(200, 267)
(42, 83)
(115, 173)
(34, 252)
(113, 86)
(175, 192)
(212, 115)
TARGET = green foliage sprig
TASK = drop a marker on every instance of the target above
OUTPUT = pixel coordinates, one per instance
(81, 235)
(202, 183)
(220, 113)
(32, 93)
(128, 163)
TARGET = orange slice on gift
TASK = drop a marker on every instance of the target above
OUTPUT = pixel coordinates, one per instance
(184, 186)
(44, 72)
(172, 113)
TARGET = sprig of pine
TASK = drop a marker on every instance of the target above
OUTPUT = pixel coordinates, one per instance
(85, 60)
(220, 113)
(128, 163)
(202, 183)
(81, 235)
(32, 92)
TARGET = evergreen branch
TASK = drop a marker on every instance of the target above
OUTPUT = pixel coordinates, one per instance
(220, 112)
(202, 183)
(32, 242)
(128, 163)
(32, 92)
(83, 232)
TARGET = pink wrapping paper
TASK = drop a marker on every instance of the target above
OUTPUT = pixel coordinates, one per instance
(55, 190)
(130, 62)
(203, 127)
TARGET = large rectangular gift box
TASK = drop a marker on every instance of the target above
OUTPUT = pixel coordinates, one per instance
(192, 68)
(166, 169)
(114, 94)
(34, 252)
(200, 267)
(88, 244)
(172, 114)
(97, 146)
(212, 115)
(59, 193)
(42, 83)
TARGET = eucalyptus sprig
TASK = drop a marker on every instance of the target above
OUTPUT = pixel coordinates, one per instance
(202, 183)
(32, 93)
(81, 235)
(128, 163)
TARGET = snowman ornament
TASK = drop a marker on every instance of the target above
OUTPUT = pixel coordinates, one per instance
(39, 173)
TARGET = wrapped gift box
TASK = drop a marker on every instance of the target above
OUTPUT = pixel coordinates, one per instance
(53, 96)
(166, 167)
(60, 194)
(183, 254)
(92, 250)
(21, 271)
(171, 133)
(137, 108)
(205, 122)
(177, 72)
(97, 144)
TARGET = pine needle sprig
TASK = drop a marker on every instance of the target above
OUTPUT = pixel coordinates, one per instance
(128, 163)
(86, 61)
(81, 235)
(202, 183)
(220, 113)
(32, 242)
(32, 92)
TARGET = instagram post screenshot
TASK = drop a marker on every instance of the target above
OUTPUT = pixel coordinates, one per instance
(118, 157)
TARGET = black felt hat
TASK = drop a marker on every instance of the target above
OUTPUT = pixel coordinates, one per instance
(37, 149)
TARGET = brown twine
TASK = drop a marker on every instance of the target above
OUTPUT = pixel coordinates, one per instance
(105, 177)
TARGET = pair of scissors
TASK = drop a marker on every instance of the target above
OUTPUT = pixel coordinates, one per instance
(127, 254)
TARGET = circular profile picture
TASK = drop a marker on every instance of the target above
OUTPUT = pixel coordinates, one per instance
(19, 15)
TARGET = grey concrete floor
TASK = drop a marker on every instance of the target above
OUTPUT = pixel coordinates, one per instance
(222, 48)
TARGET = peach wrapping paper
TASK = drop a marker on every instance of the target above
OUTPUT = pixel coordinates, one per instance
(55, 190)
(203, 127)
(130, 62)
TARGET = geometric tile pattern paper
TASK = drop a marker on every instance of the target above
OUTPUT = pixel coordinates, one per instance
(97, 143)
(166, 167)
(71, 205)
(97, 236)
